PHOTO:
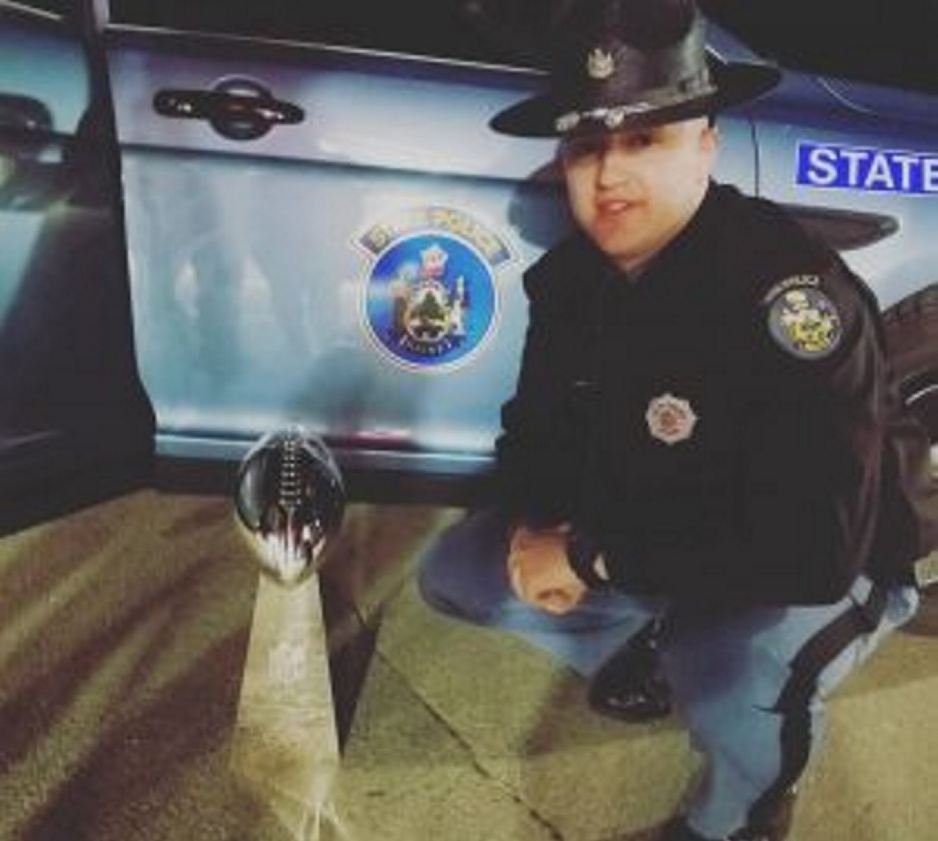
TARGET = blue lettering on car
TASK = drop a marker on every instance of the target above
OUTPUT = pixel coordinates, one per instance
(835, 165)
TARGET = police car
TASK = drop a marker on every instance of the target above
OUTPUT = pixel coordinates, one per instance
(314, 225)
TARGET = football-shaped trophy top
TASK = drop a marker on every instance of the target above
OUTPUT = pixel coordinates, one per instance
(291, 498)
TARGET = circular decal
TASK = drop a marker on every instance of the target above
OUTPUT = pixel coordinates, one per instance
(430, 301)
(805, 322)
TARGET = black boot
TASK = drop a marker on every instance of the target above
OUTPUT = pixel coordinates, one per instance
(773, 824)
(772, 820)
(629, 685)
(677, 830)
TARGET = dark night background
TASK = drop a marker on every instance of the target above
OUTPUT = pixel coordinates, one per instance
(887, 41)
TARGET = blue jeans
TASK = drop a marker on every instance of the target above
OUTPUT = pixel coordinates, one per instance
(750, 684)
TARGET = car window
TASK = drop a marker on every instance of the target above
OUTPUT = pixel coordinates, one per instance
(485, 31)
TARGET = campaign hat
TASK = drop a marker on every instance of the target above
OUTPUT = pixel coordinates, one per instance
(618, 64)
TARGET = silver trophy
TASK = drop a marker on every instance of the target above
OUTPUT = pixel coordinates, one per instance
(291, 498)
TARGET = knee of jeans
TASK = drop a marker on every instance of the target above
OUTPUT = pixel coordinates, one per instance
(432, 582)
(463, 573)
(440, 588)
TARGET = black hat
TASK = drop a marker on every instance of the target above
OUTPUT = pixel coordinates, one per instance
(632, 64)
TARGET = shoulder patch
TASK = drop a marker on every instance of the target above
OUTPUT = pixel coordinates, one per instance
(802, 319)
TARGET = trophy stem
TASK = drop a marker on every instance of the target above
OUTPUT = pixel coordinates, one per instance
(285, 747)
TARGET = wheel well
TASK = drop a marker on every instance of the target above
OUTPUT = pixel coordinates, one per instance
(912, 344)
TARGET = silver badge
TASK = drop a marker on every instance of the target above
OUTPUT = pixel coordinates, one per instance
(567, 122)
(599, 64)
(670, 419)
(614, 118)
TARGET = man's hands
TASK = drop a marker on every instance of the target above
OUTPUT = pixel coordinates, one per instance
(539, 571)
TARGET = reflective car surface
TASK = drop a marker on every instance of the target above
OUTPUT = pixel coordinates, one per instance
(75, 423)
(322, 230)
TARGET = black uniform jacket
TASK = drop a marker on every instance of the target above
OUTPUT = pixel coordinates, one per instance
(721, 426)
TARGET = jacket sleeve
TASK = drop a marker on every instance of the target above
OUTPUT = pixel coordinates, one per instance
(814, 441)
(540, 454)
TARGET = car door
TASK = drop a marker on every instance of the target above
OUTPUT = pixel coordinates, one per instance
(324, 231)
(75, 424)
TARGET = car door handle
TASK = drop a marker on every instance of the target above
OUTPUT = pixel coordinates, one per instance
(24, 117)
(238, 109)
(29, 180)
(24, 112)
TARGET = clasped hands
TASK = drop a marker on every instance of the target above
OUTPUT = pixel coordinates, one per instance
(539, 571)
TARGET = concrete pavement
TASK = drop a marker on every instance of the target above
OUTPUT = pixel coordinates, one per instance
(123, 635)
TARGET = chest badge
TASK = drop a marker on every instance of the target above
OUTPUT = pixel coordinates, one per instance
(670, 419)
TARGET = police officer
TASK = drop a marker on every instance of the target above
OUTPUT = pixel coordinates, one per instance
(703, 465)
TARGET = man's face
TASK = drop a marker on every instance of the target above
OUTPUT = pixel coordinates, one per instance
(632, 191)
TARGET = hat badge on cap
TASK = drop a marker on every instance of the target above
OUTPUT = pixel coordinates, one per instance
(600, 64)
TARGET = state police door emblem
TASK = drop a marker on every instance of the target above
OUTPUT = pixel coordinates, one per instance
(430, 302)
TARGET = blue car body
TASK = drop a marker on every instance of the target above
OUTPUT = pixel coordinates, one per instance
(329, 234)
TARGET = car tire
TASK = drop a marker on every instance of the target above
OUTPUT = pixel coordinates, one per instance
(912, 341)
